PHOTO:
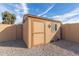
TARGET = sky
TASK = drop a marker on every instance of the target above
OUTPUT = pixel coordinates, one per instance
(64, 12)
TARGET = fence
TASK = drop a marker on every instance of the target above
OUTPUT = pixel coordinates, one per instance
(10, 32)
(71, 32)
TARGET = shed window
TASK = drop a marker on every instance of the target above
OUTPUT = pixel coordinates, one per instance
(54, 27)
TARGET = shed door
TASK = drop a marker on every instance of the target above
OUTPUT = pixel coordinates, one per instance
(38, 29)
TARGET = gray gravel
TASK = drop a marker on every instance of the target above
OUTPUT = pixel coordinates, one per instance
(59, 48)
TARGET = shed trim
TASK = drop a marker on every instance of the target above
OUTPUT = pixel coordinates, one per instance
(43, 18)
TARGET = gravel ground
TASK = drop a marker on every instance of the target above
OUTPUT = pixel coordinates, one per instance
(59, 48)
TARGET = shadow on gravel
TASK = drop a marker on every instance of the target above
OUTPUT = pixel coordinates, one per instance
(69, 45)
(14, 43)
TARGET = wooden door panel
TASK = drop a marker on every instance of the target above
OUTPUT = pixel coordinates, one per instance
(38, 39)
(38, 27)
(38, 33)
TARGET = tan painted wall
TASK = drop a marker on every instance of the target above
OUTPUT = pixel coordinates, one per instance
(10, 32)
(7, 32)
(49, 35)
(19, 31)
(71, 32)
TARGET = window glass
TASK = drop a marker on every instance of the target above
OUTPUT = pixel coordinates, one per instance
(54, 27)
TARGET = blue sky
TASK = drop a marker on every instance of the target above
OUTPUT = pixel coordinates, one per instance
(65, 12)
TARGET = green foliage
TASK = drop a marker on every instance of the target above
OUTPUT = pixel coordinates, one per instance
(8, 18)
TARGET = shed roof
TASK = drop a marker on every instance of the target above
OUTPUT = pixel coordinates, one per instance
(43, 18)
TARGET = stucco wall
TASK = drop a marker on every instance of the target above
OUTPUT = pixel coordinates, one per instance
(10, 32)
(49, 35)
(71, 32)
(19, 31)
(7, 32)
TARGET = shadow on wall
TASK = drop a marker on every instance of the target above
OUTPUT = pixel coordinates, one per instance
(69, 45)
(70, 36)
(10, 35)
(57, 35)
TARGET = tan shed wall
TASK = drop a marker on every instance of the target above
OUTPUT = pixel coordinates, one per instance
(26, 33)
(10, 32)
(49, 36)
(70, 32)
(52, 35)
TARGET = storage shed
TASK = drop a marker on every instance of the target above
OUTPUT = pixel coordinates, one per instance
(39, 31)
